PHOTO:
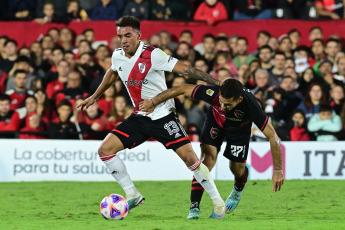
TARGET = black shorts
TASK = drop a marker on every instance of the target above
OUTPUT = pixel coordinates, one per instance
(237, 145)
(136, 129)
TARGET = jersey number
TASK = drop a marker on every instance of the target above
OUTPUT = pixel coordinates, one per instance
(172, 127)
(237, 149)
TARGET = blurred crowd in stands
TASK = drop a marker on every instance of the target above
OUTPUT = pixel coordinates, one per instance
(301, 88)
(211, 11)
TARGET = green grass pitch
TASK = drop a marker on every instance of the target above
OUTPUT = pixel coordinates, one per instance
(302, 204)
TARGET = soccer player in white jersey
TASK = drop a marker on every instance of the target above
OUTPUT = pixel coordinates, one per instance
(141, 68)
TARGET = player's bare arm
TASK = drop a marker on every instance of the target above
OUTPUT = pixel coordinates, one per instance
(109, 78)
(278, 176)
(149, 105)
(194, 73)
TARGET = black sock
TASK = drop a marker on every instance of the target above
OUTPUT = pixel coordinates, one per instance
(241, 181)
(196, 194)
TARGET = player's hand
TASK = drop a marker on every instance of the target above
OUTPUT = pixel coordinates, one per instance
(86, 103)
(146, 106)
(277, 181)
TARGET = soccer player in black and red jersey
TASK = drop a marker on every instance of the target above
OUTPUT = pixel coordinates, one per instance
(231, 115)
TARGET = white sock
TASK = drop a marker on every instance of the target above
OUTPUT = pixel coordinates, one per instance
(203, 176)
(118, 170)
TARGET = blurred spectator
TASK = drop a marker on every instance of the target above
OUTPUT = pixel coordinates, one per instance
(93, 121)
(242, 55)
(3, 79)
(262, 39)
(138, 8)
(3, 40)
(295, 37)
(22, 63)
(44, 108)
(47, 42)
(312, 101)
(317, 49)
(315, 33)
(10, 55)
(273, 43)
(292, 9)
(84, 46)
(326, 124)
(222, 44)
(66, 38)
(89, 35)
(265, 56)
(325, 69)
(223, 60)
(337, 98)
(223, 73)
(106, 102)
(54, 34)
(49, 14)
(105, 10)
(211, 11)
(116, 115)
(88, 5)
(250, 9)
(201, 65)
(69, 56)
(330, 9)
(208, 48)
(302, 58)
(186, 36)
(75, 12)
(101, 53)
(20, 92)
(285, 45)
(60, 7)
(287, 99)
(161, 10)
(244, 75)
(89, 70)
(155, 40)
(253, 66)
(166, 40)
(307, 77)
(9, 119)
(232, 40)
(21, 10)
(341, 69)
(298, 126)
(34, 128)
(333, 47)
(57, 85)
(73, 89)
(277, 72)
(61, 127)
(261, 81)
(185, 51)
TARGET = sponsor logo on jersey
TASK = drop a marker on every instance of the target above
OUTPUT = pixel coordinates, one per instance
(142, 67)
(136, 83)
(238, 113)
(209, 92)
(214, 133)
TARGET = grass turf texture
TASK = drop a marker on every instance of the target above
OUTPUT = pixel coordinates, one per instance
(309, 204)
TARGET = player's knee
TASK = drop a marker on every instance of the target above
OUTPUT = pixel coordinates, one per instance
(103, 151)
(209, 161)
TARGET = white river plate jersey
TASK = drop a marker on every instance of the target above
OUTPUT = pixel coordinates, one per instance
(143, 76)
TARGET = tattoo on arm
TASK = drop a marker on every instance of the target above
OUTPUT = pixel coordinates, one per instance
(200, 75)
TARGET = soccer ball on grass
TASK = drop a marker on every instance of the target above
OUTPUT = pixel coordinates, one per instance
(114, 207)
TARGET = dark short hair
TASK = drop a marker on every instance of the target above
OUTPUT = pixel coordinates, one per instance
(23, 59)
(19, 71)
(231, 88)
(87, 30)
(128, 21)
(315, 28)
(11, 41)
(279, 53)
(243, 38)
(266, 47)
(294, 31)
(208, 36)
(264, 32)
(5, 97)
(325, 108)
(186, 32)
(64, 102)
(332, 40)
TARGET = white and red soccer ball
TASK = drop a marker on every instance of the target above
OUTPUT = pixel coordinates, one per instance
(114, 207)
